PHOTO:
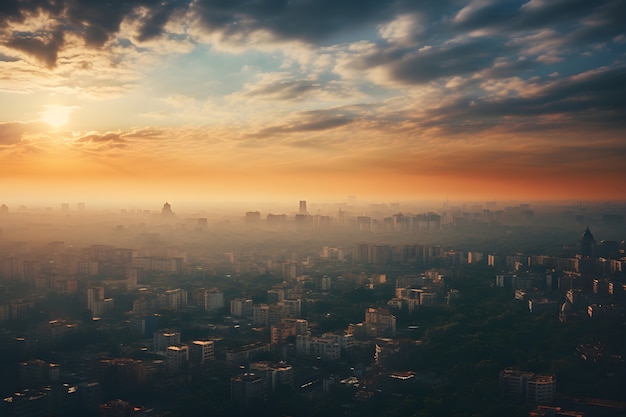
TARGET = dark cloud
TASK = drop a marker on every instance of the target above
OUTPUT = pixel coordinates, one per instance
(603, 18)
(412, 66)
(152, 26)
(320, 21)
(590, 99)
(307, 20)
(44, 48)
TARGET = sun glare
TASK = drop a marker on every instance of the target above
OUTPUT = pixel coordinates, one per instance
(56, 116)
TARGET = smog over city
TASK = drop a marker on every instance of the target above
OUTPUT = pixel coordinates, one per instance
(312, 208)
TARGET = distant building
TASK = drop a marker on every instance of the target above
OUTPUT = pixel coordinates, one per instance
(275, 374)
(212, 299)
(540, 389)
(175, 299)
(252, 217)
(167, 210)
(587, 244)
(328, 346)
(165, 338)
(379, 322)
(201, 351)
(527, 386)
(177, 357)
(288, 328)
(245, 353)
(248, 387)
(241, 307)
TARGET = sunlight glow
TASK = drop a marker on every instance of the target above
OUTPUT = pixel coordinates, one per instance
(56, 116)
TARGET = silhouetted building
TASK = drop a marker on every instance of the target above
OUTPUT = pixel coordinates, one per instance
(167, 209)
(587, 243)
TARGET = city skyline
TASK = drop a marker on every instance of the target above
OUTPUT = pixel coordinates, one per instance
(193, 100)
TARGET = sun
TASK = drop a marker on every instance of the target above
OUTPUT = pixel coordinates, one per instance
(56, 116)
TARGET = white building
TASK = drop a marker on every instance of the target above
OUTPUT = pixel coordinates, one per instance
(214, 300)
(328, 346)
(241, 307)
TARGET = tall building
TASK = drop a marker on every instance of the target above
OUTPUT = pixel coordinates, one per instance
(587, 243)
(302, 208)
(167, 209)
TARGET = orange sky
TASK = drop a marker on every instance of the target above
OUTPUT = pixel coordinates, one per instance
(394, 100)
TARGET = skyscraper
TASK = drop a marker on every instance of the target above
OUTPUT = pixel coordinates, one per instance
(302, 207)
(587, 242)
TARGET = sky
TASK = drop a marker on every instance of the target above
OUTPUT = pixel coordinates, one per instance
(304, 99)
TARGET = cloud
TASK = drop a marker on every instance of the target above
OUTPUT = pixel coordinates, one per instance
(44, 48)
(13, 132)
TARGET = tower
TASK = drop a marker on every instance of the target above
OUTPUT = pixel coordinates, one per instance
(587, 244)
(167, 209)
(302, 209)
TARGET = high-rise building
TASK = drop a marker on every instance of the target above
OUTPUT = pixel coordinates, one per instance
(167, 209)
(302, 208)
(587, 243)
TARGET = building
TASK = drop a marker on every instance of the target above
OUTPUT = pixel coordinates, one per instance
(275, 374)
(288, 327)
(261, 314)
(587, 244)
(201, 351)
(248, 387)
(241, 307)
(212, 299)
(96, 303)
(164, 339)
(327, 346)
(167, 209)
(245, 353)
(540, 389)
(527, 386)
(176, 357)
(175, 299)
(379, 322)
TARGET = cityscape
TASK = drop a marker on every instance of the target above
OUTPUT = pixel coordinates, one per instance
(306, 208)
(360, 309)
